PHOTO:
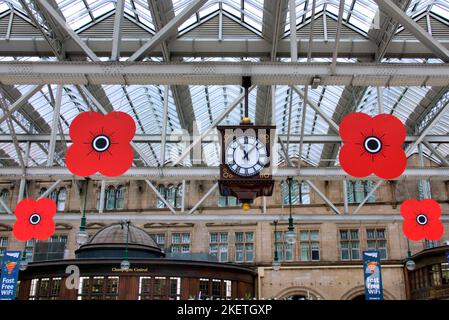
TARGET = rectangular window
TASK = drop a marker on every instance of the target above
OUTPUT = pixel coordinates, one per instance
(29, 250)
(33, 289)
(160, 288)
(144, 288)
(349, 244)
(244, 246)
(204, 289)
(3, 246)
(159, 238)
(218, 245)
(180, 242)
(310, 245)
(175, 288)
(98, 288)
(445, 273)
(376, 240)
(284, 250)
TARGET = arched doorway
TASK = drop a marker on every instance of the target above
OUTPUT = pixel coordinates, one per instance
(299, 293)
(359, 297)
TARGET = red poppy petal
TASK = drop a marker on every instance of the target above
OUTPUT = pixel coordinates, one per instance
(431, 208)
(119, 162)
(390, 128)
(353, 162)
(120, 125)
(85, 125)
(409, 209)
(353, 126)
(46, 207)
(434, 230)
(44, 229)
(413, 230)
(391, 164)
(25, 208)
(22, 230)
(82, 160)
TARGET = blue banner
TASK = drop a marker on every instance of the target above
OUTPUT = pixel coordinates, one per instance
(447, 256)
(10, 272)
(372, 275)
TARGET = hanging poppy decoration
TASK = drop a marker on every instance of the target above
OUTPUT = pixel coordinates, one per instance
(34, 219)
(422, 219)
(372, 145)
(101, 143)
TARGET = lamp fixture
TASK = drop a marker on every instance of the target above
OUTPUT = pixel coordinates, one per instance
(276, 263)
(409, 264)
(125, 264)
(290, 235)
(82, 236)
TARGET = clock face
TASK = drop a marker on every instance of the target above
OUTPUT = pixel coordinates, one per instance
(246, 156)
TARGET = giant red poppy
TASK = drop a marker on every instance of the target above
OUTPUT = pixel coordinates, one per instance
(101, 143)
(422, 219)
(372, 145)
(34, 219)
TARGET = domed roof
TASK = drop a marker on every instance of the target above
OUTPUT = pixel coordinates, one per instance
(116, 233)
(110, 242)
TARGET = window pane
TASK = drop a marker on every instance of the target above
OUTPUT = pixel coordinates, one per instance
(354, 234)
(344, 235)
(239, 237)
(249, 236)
(370, 234)
(304, 235)
(314, 235)
(305, 252)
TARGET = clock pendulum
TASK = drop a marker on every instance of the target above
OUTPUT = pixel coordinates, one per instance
(245, 168)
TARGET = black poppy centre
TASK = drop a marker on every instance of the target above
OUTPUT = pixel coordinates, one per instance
(101, 143)
(35, 218)
(372, 145)
(421, 219)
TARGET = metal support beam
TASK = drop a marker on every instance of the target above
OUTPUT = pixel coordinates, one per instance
(63, 24)
(49, 190)
(220, 73)
(436, 153)
(208, 193)
(23, 181)
(168, 205)
(337, 36)
(316, 108)
(117, 33)
(380, 99)
(168, 29)
(102, 193)
(149, 216)
(213, 138)
(212, 126)
(5, 206)
(392, 10)
(22, 100)
(164, 125)
(54, 126)
(293, 40)
(183, 202)
(377, 185)
(213, 173)
(345, 196)
(323, 196)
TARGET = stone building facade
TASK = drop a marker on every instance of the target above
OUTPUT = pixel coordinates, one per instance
(325, 262)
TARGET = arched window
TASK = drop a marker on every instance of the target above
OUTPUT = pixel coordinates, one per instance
(178, 198)
(171, 195)
(54, 195)
(42, 191)
(120, 197)
(300, 192)
(110, 198)
(358, 190)
(61, 199)
(4, 195)
(161, 190)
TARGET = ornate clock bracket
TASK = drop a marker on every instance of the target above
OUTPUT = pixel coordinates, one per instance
(245, 169)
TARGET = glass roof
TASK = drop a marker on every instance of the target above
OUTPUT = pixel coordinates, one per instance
(145, 102)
